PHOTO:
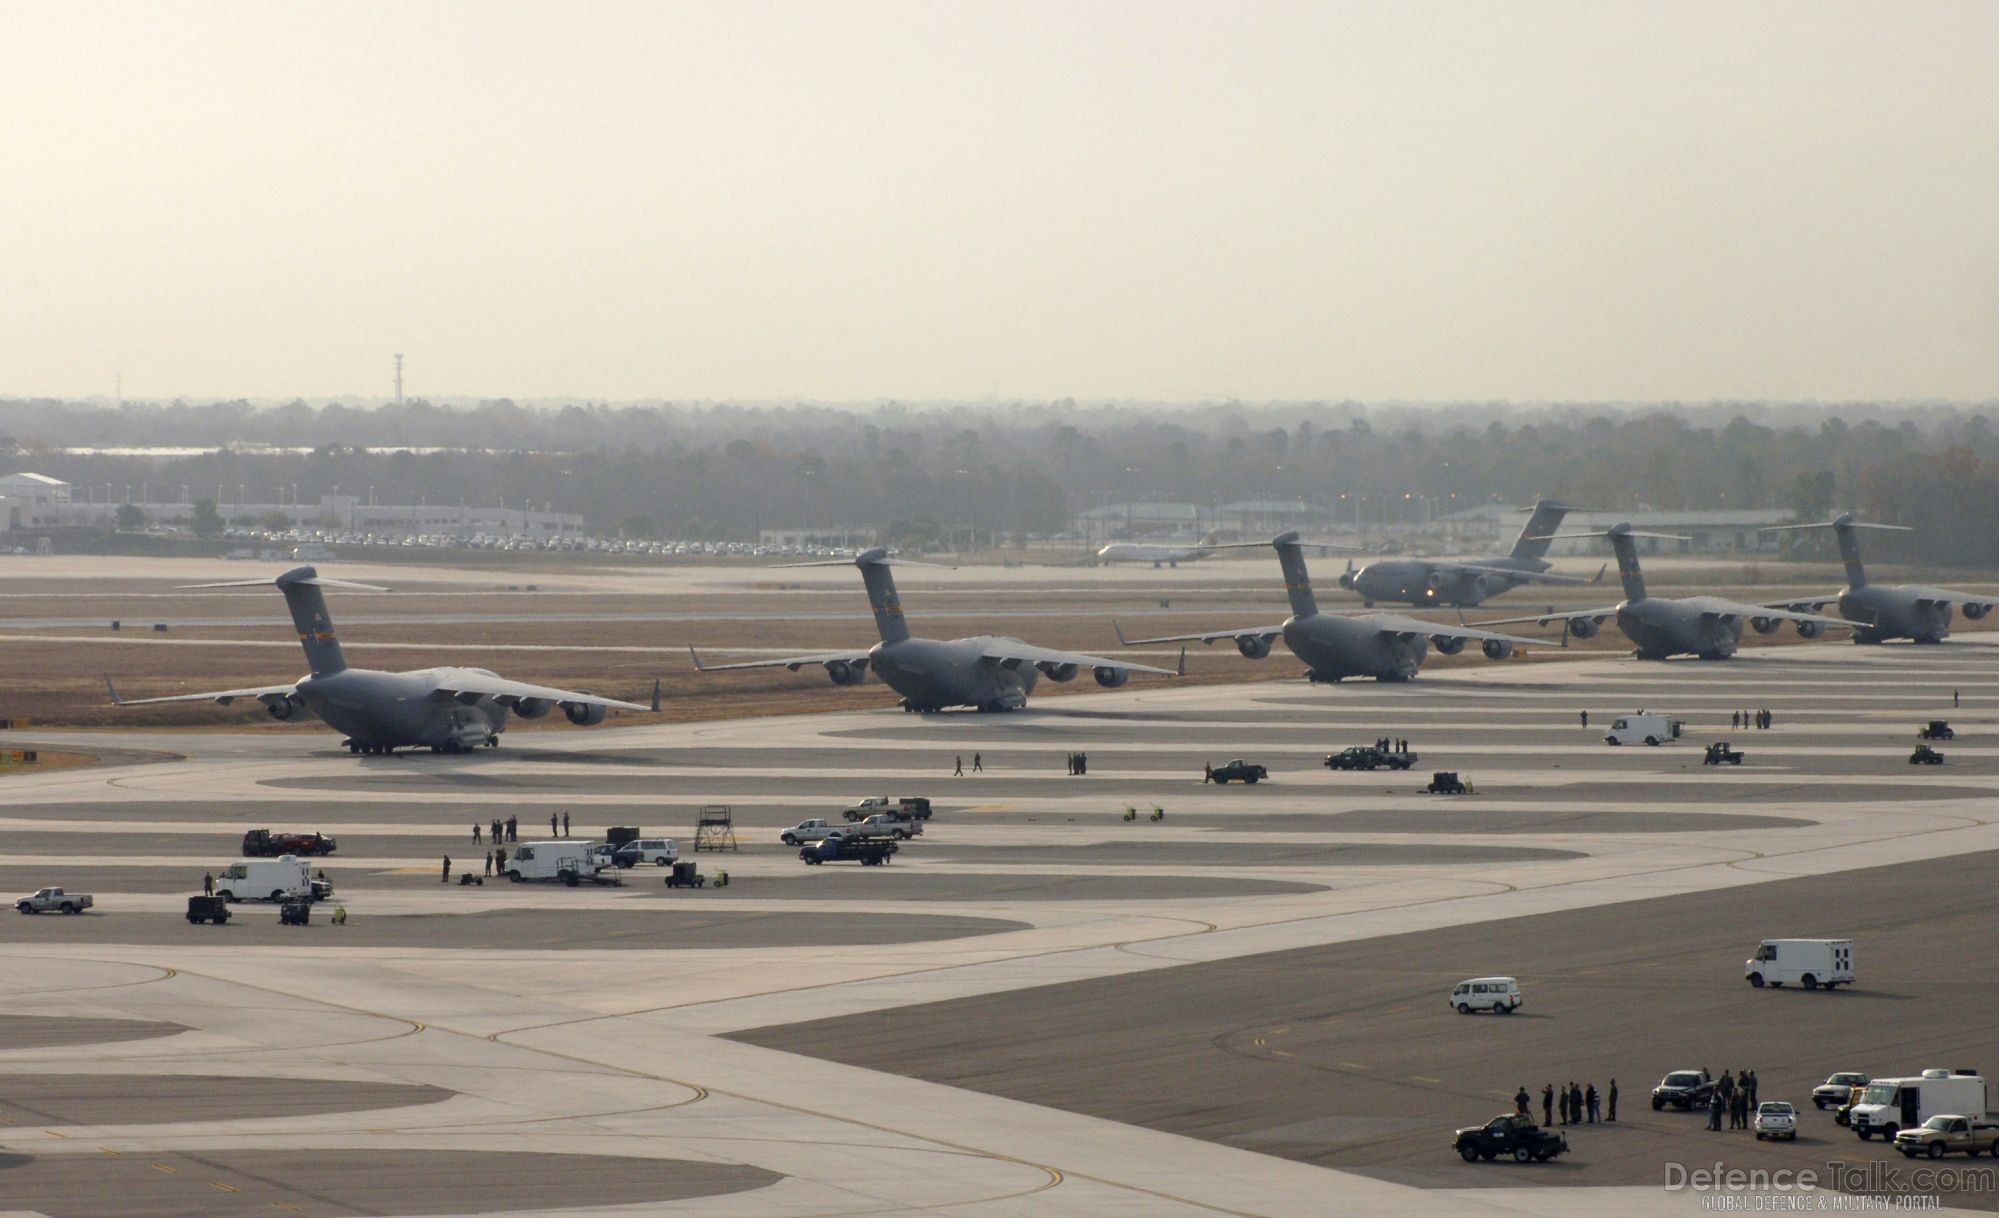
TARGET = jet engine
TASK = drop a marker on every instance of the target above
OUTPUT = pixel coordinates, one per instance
(533, 708)
(287, 707)
(1585, 627)
(1058, 673)
(1976, 609)
(1111, 678)
(1496, 649)
(1435, 580)
(844, 672)
(1346, 576)
(584, 714)
(1252, 646)
(1763, 625)
(1448, 644)
(1809, 630)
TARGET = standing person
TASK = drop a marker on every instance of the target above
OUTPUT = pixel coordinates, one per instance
(1585, 715)
(514, 828)
(565, 824)
(446, 877)
(1593, 1104)
(1714, 1107)
(1734, 719)
(1564, 1105)
(978, 764)
(1548, 1104)
(1082, 763)
(208, 884)
(475, 832)
(1613, 1100)
(1520, 1101)
(551, 824)
(1575, 1103)
(1207, 771)
(500, 861)
(489, 862)
(1749, 1082)
(1953, 698)
(499, 831)
(959, 772)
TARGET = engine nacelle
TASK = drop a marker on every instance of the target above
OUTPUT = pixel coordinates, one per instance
(1976, 609)
(1059, 673)
(1435, 580)
(1252, 646)
(1111, 678)
(845, 672)
(584, 714)
(1448, 644)
(1585, 627)
(1809, 630)
(533, 708)
(287, 707)
(1496, 649)
(1763, 625)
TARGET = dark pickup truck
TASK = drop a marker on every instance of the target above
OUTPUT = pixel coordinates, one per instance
(1236, 771)
(838, 848)
(1683, 1089)
(1367, 757)
(1512, 1134)
(263, 843)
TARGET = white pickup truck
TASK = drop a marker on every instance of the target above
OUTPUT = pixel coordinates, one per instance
(809, 831)
(886, 824)
(49, 899)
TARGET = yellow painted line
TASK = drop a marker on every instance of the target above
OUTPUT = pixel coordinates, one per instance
(52, 1133)
(1424, 1078)
(1353, 1065)
(6, 1120)
(107, 1150)
(1280, 1053)
(167, 1168)
(1280, 1031)
(1257, 1041)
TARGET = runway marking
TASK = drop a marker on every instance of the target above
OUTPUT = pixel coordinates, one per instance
(224, 1187)
(1424, 1078)
(52, 1133)
(107, 1150)
(1354, 1066)
(167, 1168)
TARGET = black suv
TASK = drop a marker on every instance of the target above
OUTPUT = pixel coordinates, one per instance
(1684, 1089)
(1512, 1133)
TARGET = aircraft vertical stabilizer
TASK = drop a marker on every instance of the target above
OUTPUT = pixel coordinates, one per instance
(1532, 544)
(1297, 580)
(1849, 551)
(882, 596)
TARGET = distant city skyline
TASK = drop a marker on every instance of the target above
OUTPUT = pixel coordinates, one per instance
(1538, 202)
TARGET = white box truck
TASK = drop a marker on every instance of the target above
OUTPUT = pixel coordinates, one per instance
(552, 860)
(1893, 1104)
(285, 878)
(1642, 728)
(1807, 962)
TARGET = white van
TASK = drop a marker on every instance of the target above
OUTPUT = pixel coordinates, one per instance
(551, 860)
(1500, 995)
(284, 878)
(1642, 728)
(1894, 1104)
(1808, 962)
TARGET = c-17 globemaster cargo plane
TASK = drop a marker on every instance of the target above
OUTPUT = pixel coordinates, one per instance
(1705, 626)
(449, 709)
(1881, 611)
(992, 674)
(1385, 646)
(1429, 582)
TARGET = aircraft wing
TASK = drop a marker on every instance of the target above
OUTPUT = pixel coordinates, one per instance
(1567, 615)
(470, 685)
(794, 663)
(223, 696)
(1398, 625)
(1266, 633)
(1010, 654)
(1535, 577)
(1947, 596)
(1809, 604)
(1727, 609)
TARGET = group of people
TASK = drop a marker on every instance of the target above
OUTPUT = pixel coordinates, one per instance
(1079, 763)
(508, 830)
(1388, 745)
(1579, 1105)
(1733, 1096)
(1757, 719)
(978, 765)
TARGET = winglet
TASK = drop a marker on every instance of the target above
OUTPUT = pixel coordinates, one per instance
(1182, 671)
(110, 685)
(655, 694)
(1598, 577)
(1121, 640)
(695, 656)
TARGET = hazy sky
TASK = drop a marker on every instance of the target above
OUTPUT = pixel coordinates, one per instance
(948, 199)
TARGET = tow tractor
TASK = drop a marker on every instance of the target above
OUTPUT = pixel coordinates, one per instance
(1721, 752)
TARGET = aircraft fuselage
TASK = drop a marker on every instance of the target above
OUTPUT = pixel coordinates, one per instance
(400, 709)
(1892, 612)
(1695, 625)
(1427, 584)
(1335, 648)
(931, 674)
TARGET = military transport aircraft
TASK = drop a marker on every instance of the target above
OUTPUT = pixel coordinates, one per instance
(1385, 646)
(1431, 582)
(449, 709)
(1705, 626)
(1880, 611)
(992, 674)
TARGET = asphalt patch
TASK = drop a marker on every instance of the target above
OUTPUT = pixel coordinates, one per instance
(50, 1031)
(164, 1099)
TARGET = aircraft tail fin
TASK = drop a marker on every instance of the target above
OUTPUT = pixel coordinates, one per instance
(1532, 544)
(301, 587)
(1847, 531)
(882, 596)
(1297, 580)
(1624, 543)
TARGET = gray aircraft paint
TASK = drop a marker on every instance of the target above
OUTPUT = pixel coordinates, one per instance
(1884, 611)
(1387, 647)
(1427, 583)
(987, 672)
(1709, 627)
(447, 709)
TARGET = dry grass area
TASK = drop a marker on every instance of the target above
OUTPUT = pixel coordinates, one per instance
(53, 673)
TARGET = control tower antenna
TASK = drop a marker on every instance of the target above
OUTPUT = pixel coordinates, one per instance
(399, 378)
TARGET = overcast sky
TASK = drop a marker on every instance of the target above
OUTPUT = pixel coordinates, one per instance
(1143, 200)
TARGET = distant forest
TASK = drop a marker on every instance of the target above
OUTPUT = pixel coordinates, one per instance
(722, 471)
